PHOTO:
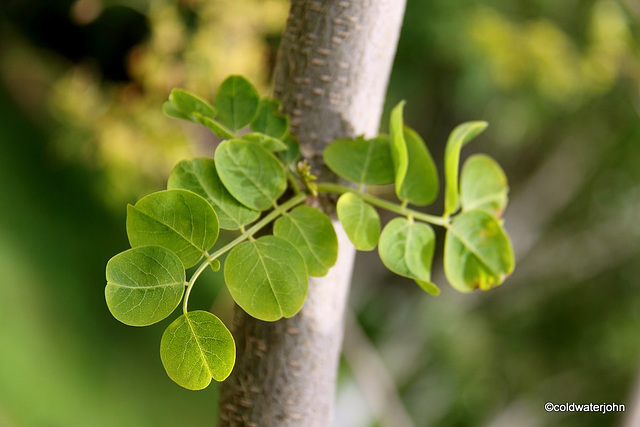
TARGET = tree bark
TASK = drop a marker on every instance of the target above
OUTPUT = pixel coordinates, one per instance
(331, 75)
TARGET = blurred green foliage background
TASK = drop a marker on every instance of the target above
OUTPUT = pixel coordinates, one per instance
(81, 134)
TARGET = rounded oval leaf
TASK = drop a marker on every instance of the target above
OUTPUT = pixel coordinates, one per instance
(178, 220)
(406, 248)
(483, 185)
(360, 221)
(268, 142)
(429, 287)
(195, 348)
(477, 252)
(459, 137)
(251, 173)
(267, 277)
(312, 233)
(361, 161)
(237, 102)
(201, 177)
(144, 285)
(269, 121)
(416, 176)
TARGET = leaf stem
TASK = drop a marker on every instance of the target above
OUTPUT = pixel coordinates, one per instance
(279, 210)
(329, 187)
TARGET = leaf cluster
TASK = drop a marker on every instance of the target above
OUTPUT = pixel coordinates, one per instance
(242, 189)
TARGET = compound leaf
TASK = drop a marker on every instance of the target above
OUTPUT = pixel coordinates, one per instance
(269, 121)
(268, 142)
(361, 161)
(416, 176)
(178, 220)
(406, 248)
(460, 136)
(144, 285)
(477, 252)
(200, 176)
(237, 102)
(195, 348)
(483, 185)
(267, 277)
(360, 221)
(251, 173)
(312, 233)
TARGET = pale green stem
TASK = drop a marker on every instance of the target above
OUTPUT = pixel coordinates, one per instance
(281, 209)
(293, 182)
(328, 187)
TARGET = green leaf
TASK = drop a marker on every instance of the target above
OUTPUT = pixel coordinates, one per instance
(312, 233)
(215, 265)
(460, 136)
(406, 248)
(269, 121)
(267, 277)
(360, 221)
(214, 126)
(178, 220)
(188, 103)
(144, 285)
(361, 161)
(416, 176)
(293, 150)
(200, 176)
(483, 185)
(429, 287)
(195, 348)
(170, 110)
(251, 173)
(237, 102)
(477, 252)
(266, 141)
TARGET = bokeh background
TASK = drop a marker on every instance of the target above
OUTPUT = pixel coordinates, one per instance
(82, 134)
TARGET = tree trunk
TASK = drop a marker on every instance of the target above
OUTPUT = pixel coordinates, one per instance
(331, 76)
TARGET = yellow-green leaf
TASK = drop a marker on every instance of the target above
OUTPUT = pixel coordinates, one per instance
(312, 233)
(477, 252)
(483, 185)
(178, 220)
(360, 221)
(144, 285)
(458, 138)
(195, 348)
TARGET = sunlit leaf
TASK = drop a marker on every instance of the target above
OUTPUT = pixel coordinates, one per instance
(144, 285)
(200, 176)
(267, 277)
(477, 252)
(361, 161)
(170, 110)
(269, 121)
(460, 136)
(483, 185)
(190, 104)
(178, 220)
(429, 287)
(237, 102)
(360, 221)
(268, 142)
(406, 248)
(416, 176)
(195, 348)
(312, 233)
(214, 126)
(251, 173)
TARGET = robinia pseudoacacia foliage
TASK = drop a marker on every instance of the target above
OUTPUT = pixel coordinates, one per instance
(256, 179)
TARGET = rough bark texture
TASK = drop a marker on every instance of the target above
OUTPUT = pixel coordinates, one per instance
(331, 76)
